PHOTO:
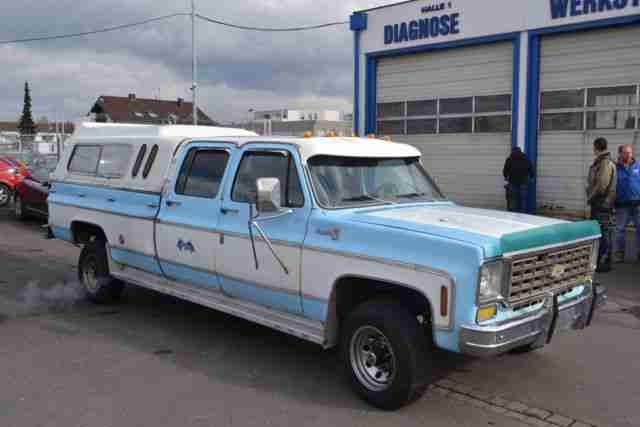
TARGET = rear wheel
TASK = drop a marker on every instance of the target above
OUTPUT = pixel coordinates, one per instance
(93, 273)
(386, 354)
(19, 208)
(5, 195)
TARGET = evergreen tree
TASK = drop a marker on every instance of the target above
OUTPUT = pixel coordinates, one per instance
(26, 125)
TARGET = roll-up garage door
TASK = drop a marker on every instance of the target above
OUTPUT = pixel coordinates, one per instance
(589, 88)
(454, 106)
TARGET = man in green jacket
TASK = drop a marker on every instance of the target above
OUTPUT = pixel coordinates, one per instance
(601, 194)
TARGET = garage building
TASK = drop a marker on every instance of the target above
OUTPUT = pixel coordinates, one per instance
(466, 80)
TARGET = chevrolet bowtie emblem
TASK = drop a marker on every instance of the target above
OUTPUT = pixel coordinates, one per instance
(557, 271)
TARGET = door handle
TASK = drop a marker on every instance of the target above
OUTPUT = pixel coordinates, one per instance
(226, 211)
(171, 203)
(334, 233)
(152, 206)
(81, 195)
(111, 200)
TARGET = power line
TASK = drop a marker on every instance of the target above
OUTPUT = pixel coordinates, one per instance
(267, 29)
(102, 30)
(165, 17)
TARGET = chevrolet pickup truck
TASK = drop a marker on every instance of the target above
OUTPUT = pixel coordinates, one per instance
(339, 241)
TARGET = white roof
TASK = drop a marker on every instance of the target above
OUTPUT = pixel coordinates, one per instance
(118, 130)
(308, 147)
(339, 146)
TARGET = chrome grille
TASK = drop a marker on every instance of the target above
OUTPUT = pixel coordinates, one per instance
(555, 270)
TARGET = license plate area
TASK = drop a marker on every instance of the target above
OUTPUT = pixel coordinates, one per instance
(569, 320)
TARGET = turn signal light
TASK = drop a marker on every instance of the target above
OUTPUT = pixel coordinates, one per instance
(308, 134)
(486, 313)
(444, 301)
(371, 136)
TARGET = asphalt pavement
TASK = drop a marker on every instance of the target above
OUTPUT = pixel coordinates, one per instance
(153, 360)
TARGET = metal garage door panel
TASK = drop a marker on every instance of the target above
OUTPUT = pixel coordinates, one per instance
(597, 58)
(594, 58)
(449, 73)
(467, 167)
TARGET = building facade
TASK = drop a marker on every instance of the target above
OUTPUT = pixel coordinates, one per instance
(299, 115)
(466, 80)
(132, 109)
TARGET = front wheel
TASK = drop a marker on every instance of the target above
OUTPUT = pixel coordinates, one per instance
(93, 273)
(5, 195)
(385, 352)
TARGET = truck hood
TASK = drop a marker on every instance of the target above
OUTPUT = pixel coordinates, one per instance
(496, 232)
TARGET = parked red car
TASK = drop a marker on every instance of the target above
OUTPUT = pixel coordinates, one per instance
(31, 193)
(11, 174)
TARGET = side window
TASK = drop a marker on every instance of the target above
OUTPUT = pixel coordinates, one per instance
(150, 160)
(138, 163)
(201, 173)
(84, 159)
(114, 160)
(272, 164)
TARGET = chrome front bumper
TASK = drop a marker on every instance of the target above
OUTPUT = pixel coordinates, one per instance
(537, 329)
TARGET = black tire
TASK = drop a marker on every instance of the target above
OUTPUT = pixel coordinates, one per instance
(93, 273)
(5, 195)
(411, 349)
(19, 208)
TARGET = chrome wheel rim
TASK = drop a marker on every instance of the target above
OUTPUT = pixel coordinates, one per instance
(18, 206)
(90, 275)
(372, 358)
(4, 195)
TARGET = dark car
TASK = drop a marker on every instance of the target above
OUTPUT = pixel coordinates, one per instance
(11, 174)
(30, 199)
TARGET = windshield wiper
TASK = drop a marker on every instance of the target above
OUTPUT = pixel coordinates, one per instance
(411, 195)
(364, 198)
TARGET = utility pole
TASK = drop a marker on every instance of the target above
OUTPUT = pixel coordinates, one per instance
(194, 63)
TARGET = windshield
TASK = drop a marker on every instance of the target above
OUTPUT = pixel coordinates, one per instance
(342, 182)
(42, 167)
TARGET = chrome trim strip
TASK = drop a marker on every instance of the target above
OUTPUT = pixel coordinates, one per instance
(385, 261)
(108, 187)
(533, 251)
(72, 205)
(188, 226)
(275, 242)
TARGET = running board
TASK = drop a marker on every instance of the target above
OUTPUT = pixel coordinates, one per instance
(290, 324)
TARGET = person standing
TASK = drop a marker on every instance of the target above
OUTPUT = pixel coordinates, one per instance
(627, 199)
(517, 171)
(601, 194)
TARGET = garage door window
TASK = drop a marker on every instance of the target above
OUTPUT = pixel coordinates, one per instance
(613, 107)
(479, 114)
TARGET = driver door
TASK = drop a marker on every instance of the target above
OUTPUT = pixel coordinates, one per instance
(267, 283)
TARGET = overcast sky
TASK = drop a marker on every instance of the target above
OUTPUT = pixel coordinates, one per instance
(237, 70)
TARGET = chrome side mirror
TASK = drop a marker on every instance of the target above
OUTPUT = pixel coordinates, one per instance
(268, 200)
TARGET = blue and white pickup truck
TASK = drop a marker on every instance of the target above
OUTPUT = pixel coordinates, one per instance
(339, 241)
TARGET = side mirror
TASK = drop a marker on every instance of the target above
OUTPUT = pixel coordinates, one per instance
(268, 195)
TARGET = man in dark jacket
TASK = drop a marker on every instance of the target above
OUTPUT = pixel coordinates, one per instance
(627, 198)
(601, 193)
(517, 170)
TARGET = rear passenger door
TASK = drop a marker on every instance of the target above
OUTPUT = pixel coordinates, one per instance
(186, 228)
